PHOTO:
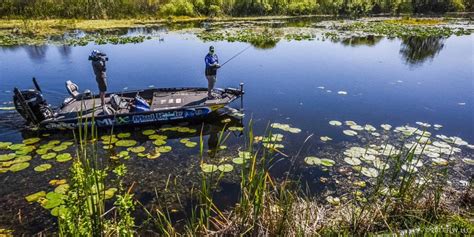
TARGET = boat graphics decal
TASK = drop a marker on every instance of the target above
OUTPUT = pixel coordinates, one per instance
(134, 119)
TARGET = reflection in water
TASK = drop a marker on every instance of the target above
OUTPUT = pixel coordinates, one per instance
(65, 50)
(416, 50)
(355, 41)
(36, 52)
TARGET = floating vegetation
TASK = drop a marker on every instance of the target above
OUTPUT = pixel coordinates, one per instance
(285, 127)
(153, 155)
(60, 148)
(325, 138)
(63, 157)
(350, 133)
(333, 200)
(312, 160)
(43, 167)
(48, 156)
(137, 149)
(62, 188)
(148, 132)
(15, 147)
(35, 196)
(157, 137)
(126, 143)
(31, 141)
(352, 161)
(110, 193)
(124, 135)
(188, 143)
(225, 168)
(6, 157)
(236, 129)
(342, 92)
(208, 168)
(164, 149)
(335, 123)
(19, 166)
(369, 172)
(238, 160)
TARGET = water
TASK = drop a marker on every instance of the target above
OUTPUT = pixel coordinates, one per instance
(390, 81)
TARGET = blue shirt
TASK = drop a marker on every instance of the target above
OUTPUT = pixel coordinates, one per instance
(211, 59)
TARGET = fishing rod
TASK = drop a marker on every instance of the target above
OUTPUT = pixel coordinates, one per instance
(236, 55)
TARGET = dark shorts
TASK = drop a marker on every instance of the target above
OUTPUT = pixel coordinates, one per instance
(101, 82)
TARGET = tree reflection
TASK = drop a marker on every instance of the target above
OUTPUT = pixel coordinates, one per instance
(369, 40)
(417, 50)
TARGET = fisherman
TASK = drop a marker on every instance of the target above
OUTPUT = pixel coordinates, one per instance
(98, 64)
(212, 64)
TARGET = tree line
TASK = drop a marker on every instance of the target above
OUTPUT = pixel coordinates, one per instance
(106, 9)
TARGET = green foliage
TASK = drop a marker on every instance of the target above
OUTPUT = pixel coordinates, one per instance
(104, 9)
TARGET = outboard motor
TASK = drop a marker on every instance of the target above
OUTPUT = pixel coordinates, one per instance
(31, 105)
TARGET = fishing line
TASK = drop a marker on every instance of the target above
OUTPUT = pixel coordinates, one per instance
(236, 55)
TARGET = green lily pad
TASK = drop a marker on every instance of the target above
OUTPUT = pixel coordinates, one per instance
(361, 184)
(190, 144)
(369, 172)
(19, 166)
(153, 155)
(157, 137)
(4, 145)
(234, 129)
(439, 161)
(108, 147)
(208, 168)
(15, 147)
(386, 127)
(238, 161)
(43, 167)
(62, 189)
(124, 135)
(137, 149)
(164, 149)
(325, 138)
(294, 130)
(60, 148)
(48, 156)
(35, 196)
(32, 140)
(108, 137)
(42, 151)
(245, 155)
(25, 150)
(110, 141)
(52, 203)
(312, 160)
(159, 142)
(21, 159)
(184, 140)
(6, 157)
(67, 143)
(123, 154)
(59, 211)
(327, 162)
(148, 132)
(352, 161)
(126, 143)
(63, 157)
(225, 168)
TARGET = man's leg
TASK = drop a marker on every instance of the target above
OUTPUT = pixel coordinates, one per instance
(211, 81)
(102, 98)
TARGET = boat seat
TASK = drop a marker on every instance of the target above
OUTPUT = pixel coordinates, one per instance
(73, 90)
(117, 102)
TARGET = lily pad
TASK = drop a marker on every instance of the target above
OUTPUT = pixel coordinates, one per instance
(352, 161)
(159, 142)
(42, 151)
(153, 155)
(15, 147)
(126, 143)
(157, 137)
(20, 159)
(52, 203)
(239, 129)
(245, 155)
(59, 211)
(43, 167)
(439, 161)
(350, 123)
(294, 130)
(350, 133)
(35, 196)
(325, 138)
(32, 140)
(5, 157)
(124, 135)
(62, 189)
(164, 149)
(225, 168)
(184, 140)
(191, 144)
(60, 148)
(48, 156)
(208, 168)
(148, 132)
(56, 182)
(4, 145)
(327, 162)
(63, 157)
(369, 172)
(468, 161)
(137, 149)
(342, 92)
(335, 123)
(19, 166)
(386, 127)
(238, 161)
(312, 160)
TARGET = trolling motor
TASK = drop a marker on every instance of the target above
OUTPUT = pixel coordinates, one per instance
(31, 105)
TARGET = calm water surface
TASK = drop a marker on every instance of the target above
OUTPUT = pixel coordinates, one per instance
(390, 81)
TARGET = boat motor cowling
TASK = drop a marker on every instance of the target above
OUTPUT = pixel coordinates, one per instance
(31, 105)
